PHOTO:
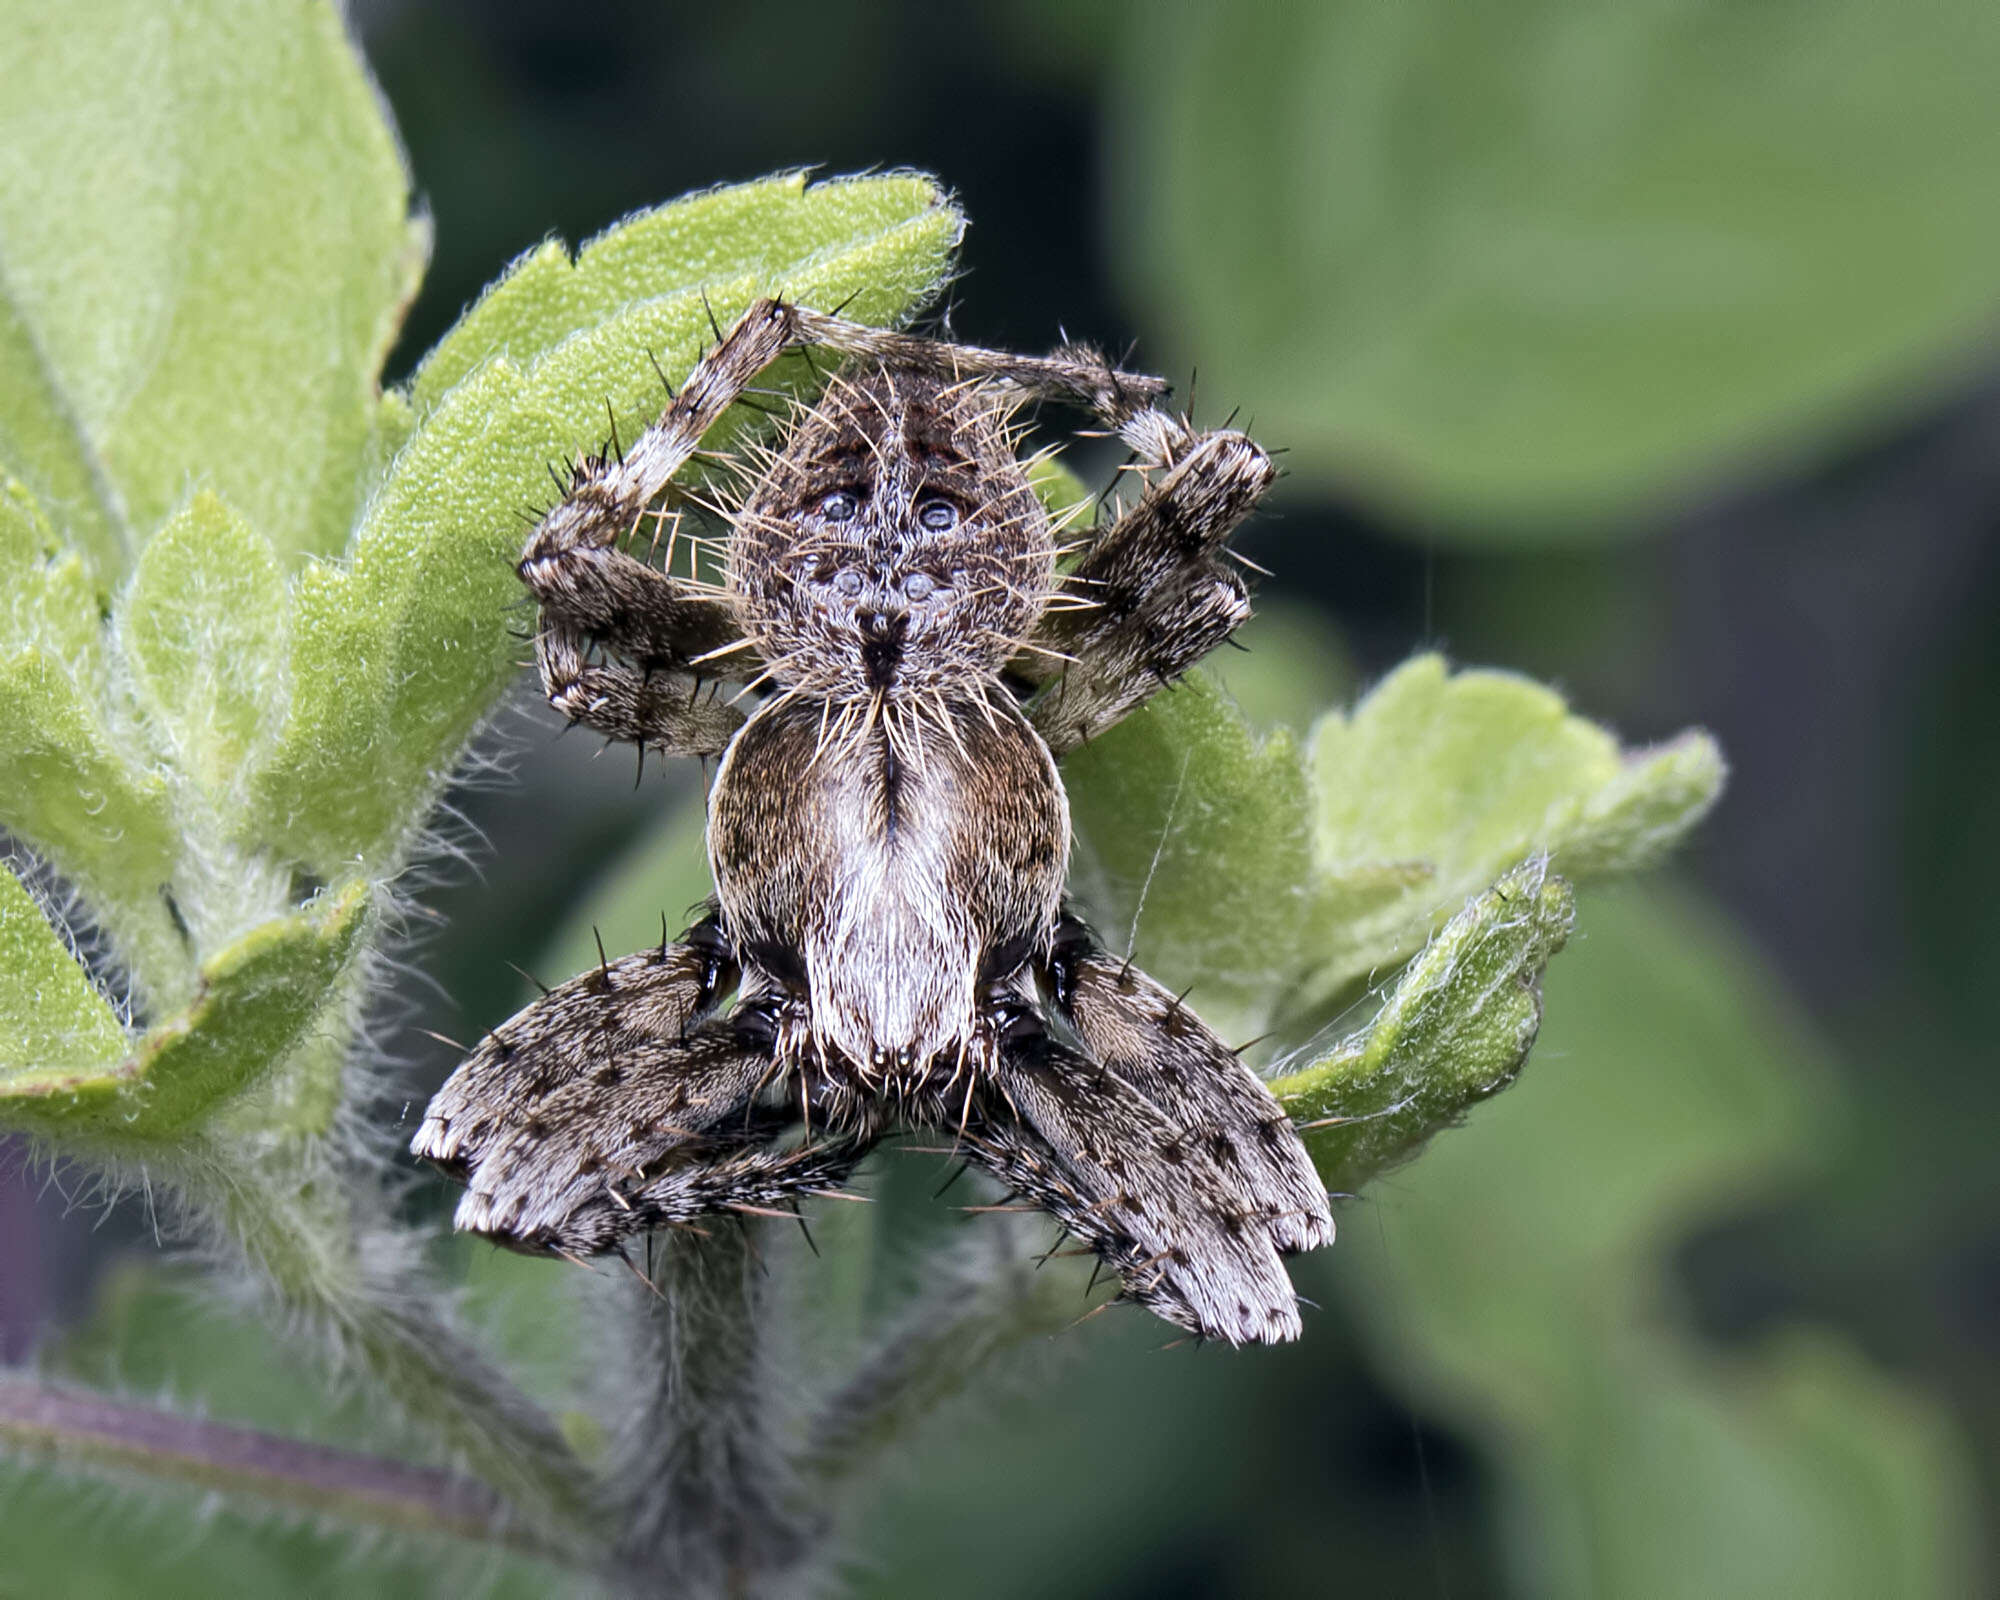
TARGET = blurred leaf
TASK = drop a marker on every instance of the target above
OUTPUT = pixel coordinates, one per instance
(52, 1019)
(1277, 880)
(47, 596)
(204, 252)
(1455, 1030)
(1515, 1282)
(1522, 268)
(398, 655)
(257, 1000)
(655, 888)
(204, 632)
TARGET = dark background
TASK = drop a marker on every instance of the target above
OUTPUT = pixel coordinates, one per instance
(1829, 614)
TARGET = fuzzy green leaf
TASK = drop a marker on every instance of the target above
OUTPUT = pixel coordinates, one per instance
(1278, 880)
(48, 598)
(204, 251)
(765, 230)
(1456, 1029)
(1521, 1282)
(1197, 837)
(1523, 267)
(41, 441)
(257, 1002)
(398, 656)
(52, 1019)
(67, 789)
(204, 633)
(1438, 780)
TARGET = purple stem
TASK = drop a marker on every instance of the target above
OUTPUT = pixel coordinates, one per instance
(73, 1428)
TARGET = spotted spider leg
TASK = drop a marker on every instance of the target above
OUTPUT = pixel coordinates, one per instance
(1148, 1193)
(619, 1102)
(1155, 591)
(1154, 1145)
(670, 632)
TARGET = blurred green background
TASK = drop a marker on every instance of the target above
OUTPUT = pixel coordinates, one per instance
(1644, 347)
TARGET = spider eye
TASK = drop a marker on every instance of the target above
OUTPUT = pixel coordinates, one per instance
(918, 585)
(937, 516)
(840, 506)
(848, 582)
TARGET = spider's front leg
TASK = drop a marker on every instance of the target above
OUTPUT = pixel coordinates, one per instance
(668, 634)
(1155, 591)
(617, 1103)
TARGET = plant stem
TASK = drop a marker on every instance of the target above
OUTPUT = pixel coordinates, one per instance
(75, 1429)
(305, 1227)
(711, 1502)
(978, 1298)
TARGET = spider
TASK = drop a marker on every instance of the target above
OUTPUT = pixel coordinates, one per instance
(888, 946)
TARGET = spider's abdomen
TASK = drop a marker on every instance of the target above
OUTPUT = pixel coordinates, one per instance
(880, 865)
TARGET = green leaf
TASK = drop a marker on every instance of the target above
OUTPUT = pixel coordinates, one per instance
(52, 1019)
(1197, 837)
(398, 656)
(1438, 780)
(1278, 880)
(204, 632)
(40, 440)
(205, 248)
(765, 230)
(1519, 269)
(258, 1000)
(1455, 1030)
(1520, 1284)
(67, 789)
(48, 598)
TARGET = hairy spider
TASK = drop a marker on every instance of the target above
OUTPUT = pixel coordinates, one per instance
(888, 945)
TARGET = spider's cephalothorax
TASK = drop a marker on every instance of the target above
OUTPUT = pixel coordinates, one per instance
(889, 835)
(894, 546)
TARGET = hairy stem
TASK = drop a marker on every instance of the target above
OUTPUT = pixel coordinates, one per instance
(711, 1506)
(69, 1429)
(979, 1298)
(304, 1226)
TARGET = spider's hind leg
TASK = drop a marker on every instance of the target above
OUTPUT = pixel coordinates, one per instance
(1137, 1027)
(1157, 1147)
(1139, 1187)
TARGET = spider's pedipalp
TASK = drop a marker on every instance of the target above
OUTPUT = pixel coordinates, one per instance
(1161, 595)
(675, 712)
